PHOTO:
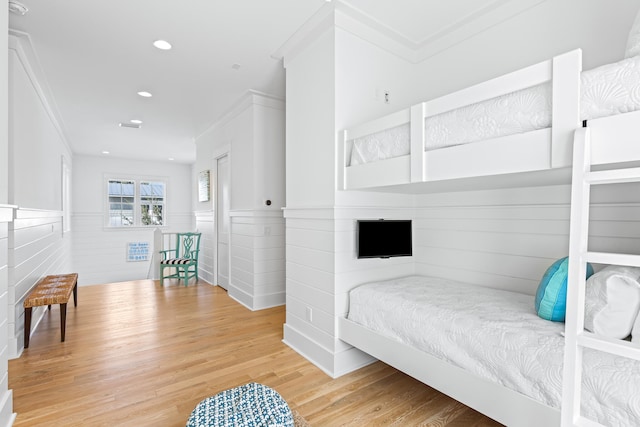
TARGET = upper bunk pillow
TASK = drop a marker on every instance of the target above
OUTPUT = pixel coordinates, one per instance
(612, 301)
(633, 42)
(551, 297)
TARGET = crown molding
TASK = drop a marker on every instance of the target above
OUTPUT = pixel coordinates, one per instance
(341, 14)
(472, 25)
(323, 20)
(248, 99)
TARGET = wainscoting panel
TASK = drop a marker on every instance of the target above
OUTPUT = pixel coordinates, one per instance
(6, 396)
(257, 258)
(322, 266)
(100, 253)
(37, 247)
(205, 224)
(508, 238)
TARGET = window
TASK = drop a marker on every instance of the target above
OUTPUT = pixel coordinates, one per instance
(151, 202)
(135, 203)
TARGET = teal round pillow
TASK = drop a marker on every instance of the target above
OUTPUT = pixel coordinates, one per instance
(551, 297)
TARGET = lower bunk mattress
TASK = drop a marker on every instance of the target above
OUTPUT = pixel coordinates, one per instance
(496, 335)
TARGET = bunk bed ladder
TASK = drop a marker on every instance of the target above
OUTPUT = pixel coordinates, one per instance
(576, 338)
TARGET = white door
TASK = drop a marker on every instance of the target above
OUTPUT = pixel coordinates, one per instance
(222, 220)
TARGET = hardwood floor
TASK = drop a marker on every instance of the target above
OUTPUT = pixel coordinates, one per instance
(138, 354)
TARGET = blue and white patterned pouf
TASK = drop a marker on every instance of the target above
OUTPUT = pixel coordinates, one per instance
(250, 405)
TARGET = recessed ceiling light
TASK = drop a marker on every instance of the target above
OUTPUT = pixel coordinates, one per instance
(162, 44)
(145, 94)
(136, 121)
(17, 7)
(171, 158)
(105, 152)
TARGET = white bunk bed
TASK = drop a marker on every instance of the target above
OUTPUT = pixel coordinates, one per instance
(520, 123)
(610, 139)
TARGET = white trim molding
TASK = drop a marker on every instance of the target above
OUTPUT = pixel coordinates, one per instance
(341, 14)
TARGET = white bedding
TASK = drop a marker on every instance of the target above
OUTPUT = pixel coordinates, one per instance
(605, 91)
(496, 335)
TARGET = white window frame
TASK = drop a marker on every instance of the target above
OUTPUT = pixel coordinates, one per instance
(137, 200)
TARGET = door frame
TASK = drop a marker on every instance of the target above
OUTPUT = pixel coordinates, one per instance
(216, 219)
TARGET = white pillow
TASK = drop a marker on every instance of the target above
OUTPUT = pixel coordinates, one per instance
(633, 42)
(612, 301)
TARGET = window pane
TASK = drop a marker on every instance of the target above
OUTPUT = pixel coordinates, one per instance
(121, 202)
(152, 196)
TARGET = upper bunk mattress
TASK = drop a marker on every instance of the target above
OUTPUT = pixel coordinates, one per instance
(605, 91)
(496, 335)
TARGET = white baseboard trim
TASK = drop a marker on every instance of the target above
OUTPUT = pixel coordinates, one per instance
(255, 303)
(16, 344)
(262, 302)
(240, 296)
(7, 416)
(322, 358)
(351, 360)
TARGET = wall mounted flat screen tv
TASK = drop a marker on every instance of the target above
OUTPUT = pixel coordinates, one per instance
(383, 238)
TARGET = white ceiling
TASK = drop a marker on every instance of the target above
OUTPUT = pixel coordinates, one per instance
(96, 55)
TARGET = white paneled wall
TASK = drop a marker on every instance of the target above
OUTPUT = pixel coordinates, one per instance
(498, 238)
(310, 271)
(251, 134)
(496, 246)
(100, 252)
(321, 269)
(257, 258)
(508, 238)
(37, 248)
(205, 224)
(6, 399)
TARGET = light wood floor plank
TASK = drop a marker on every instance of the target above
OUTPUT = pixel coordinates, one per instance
(139, 354)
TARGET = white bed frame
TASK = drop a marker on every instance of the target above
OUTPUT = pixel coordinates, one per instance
(538, 150)
(613, 140)
(494, 400)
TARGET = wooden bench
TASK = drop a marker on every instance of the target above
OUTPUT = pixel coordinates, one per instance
(49, 290)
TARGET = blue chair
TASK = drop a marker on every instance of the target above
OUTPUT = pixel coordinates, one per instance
(184, 258)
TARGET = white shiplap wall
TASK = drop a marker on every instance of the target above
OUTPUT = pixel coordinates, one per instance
(508, 238)
(205, 224)
(321, 269)
(257, 263)
(504, 238)
(100, 252)
(37, 247)
(310, 271)
(6, 399)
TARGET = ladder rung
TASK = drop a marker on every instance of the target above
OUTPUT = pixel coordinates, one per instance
(609, 345)
(611, 258)
(615, 176)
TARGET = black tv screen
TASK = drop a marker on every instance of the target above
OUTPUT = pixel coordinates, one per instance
(383, 238)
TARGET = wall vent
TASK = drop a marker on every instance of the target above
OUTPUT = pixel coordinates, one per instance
(130, 125)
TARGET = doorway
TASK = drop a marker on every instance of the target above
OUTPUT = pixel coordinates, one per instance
(222, 221)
